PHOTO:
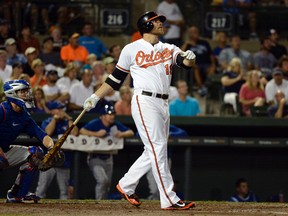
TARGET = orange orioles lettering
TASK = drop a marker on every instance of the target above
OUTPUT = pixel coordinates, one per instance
(153, 58)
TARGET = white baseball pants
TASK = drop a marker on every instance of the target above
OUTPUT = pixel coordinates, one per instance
(151, 116)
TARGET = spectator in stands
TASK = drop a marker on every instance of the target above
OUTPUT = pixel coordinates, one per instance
(39, 101)
(91, 58)
(115, 51)
(91, 43)
(242, 193)
(175, 20)
(25, 77)
(38, 79)
(280, 109)
(31, 54)
(205, 63)
(51, 90)
(222, 43)
(98, 71)
(12, 55)
(101, 163)
(26, 40)
(109, 65)
(184, 105)
(58, 41)
(5, 70)
(283, 66)
(227, 54)
(55, 125)
(48, 55)
(69, 79)
(73, 51)
(232, 80)
(252, 93)
(17, 70)
(277, 49)
(264, 60)
(80, 91)
(5, 32)
(123, 106)
(274, 85)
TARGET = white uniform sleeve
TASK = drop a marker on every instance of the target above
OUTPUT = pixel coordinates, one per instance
(124, 61)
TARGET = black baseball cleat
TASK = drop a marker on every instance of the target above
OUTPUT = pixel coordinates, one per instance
(180, 205)
(31, 197)
(132, 199)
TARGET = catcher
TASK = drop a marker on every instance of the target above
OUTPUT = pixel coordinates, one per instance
(15, 119)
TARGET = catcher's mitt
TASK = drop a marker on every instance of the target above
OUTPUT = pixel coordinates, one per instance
(57, 161)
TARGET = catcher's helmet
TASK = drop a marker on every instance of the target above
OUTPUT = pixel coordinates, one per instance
(10, 90)
(144, 23)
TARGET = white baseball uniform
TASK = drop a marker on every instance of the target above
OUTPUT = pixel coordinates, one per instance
(150, 67)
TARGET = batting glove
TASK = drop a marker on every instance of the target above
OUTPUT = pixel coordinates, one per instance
(188, 55)
(91, 102)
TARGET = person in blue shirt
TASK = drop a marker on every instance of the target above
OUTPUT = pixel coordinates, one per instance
(14, 120)
(55, 125)
(242, 192)
(101, 163)
(184, 105)
(92, 44)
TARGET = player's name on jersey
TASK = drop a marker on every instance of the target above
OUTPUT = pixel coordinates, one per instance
(91, 144)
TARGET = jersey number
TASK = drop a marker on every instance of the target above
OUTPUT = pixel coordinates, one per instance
(168, 69)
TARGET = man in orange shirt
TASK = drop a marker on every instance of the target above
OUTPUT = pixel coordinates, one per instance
(73, 51)
(38, 79)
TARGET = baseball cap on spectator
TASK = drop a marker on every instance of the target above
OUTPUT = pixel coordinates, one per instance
(277, 71)
(51, 72)
(30, 50)
(55, 105)
(10, 41)
(272, 31)
(108, 60)
(74, 35)
(37, 62)
(47, 39)
(85, 68)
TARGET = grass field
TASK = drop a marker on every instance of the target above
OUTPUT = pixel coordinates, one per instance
(123, 208)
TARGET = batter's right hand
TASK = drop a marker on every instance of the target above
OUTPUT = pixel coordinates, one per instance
(91, 102)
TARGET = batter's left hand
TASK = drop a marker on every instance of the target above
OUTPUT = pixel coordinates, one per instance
(188, 55)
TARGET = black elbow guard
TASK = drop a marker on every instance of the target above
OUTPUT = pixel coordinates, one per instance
(179, 62)
(116, 79)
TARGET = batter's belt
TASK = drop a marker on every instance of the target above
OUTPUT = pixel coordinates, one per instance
(157, 95)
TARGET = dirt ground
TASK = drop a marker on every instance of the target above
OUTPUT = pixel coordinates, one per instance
(122, 208)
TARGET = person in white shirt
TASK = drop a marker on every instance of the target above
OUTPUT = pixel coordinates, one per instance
(69, 79)
(175, 21)
(80, 91)
(274, 85)
(5, 70)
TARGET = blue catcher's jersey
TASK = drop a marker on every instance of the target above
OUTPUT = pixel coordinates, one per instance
(13, 123)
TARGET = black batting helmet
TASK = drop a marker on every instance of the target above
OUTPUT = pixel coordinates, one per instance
(144, 23)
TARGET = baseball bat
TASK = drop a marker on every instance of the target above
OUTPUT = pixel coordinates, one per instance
(47, 158)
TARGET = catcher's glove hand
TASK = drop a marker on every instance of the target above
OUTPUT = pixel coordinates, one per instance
(56, 161)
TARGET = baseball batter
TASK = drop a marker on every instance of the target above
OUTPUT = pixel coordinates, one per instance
(149, 62)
